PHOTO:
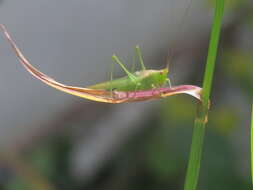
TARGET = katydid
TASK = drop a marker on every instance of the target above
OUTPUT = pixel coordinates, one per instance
(144, 79)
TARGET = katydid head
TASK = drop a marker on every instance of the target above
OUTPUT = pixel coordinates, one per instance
(163, 75)
(159, 77)
(164, 71)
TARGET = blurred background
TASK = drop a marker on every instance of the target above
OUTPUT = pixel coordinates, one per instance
(51, 140)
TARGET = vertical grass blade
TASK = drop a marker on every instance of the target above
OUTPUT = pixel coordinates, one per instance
(192, 174)
(251, 144)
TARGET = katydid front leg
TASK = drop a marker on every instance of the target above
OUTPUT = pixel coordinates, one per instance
(168, 81)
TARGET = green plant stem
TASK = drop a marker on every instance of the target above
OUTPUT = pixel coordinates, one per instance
(192, 174)
(252, 145)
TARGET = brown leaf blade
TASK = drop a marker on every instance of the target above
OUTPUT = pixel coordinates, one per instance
(102, 95)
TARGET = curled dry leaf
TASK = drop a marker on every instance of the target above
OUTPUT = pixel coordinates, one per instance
(103, 95)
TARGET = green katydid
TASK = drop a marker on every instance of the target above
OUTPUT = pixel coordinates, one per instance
(139, 80)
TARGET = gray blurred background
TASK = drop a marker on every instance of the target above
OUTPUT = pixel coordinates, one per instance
(72, 41)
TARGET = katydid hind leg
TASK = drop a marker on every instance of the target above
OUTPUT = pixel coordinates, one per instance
(134, 64)
(129, 74)
(139, 54)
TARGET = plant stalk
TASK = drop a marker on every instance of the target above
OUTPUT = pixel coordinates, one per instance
(251, 145)
(201, 119)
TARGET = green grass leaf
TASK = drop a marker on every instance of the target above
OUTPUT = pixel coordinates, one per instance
(252, 144)
(192, 174)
